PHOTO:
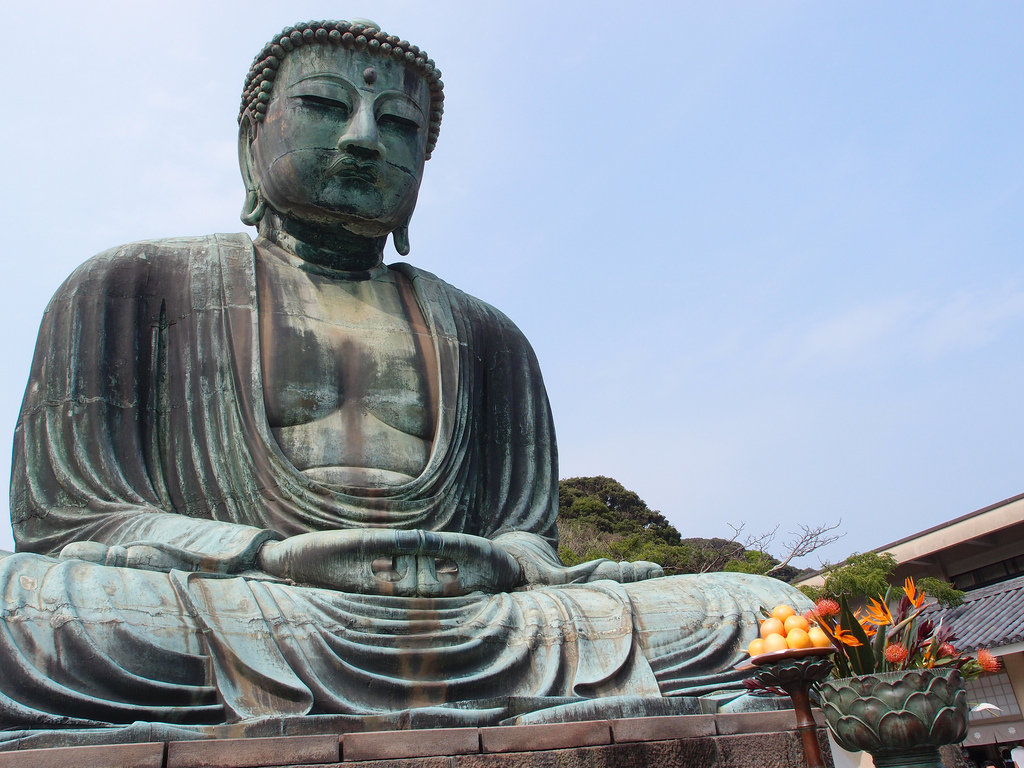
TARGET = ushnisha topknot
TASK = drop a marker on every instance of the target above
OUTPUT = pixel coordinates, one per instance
(363, 35)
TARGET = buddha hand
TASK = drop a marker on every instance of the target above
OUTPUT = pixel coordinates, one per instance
(625, 572)
(542, 566)
(390, 562)
(594, 570)
(144, 555)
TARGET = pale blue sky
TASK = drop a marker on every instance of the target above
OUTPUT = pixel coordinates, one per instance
(769, 254)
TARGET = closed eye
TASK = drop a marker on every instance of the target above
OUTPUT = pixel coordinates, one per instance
(322, 101)
(397, 121)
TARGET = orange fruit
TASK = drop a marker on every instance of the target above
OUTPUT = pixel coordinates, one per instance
(818, 637)
(782, 612)
(796, 621)
(756, 646)
(775, 643)
(772, 627)
(798, 638)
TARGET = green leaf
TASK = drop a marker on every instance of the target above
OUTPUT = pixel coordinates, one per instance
(842, 666)
(862, 658)
(878, 645)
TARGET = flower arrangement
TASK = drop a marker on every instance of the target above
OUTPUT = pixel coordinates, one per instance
(889, 635)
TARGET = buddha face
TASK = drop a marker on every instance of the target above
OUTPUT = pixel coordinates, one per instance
(344, 141)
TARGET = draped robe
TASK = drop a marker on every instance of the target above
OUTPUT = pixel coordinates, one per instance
(144, 421)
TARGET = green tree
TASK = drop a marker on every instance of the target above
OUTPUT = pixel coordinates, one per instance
(760, 562)
(599, 517)
(869, 574)
(609, 506)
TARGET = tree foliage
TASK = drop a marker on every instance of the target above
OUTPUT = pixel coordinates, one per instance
(759, 561)
(942, 591)
(606, 505)
(864, 574)
(598, 517)
(869, 574)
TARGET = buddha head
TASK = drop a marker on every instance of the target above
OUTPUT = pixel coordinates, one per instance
(337, 120)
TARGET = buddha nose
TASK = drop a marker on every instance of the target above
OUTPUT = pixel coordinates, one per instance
(361, 138)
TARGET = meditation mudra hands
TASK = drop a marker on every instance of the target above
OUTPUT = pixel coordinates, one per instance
(392, 562)
(377, 562)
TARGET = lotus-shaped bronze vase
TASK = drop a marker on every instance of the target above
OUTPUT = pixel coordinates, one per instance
(901, 718)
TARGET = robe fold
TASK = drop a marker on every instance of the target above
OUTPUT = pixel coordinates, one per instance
(146, 398)
(144, 422)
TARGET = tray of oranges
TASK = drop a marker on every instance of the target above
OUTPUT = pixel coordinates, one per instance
(786, 635)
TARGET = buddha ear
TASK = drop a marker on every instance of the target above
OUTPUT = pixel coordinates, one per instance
(400, 237)
(254, 205)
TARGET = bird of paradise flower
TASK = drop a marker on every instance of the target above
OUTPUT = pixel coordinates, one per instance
(888, 634)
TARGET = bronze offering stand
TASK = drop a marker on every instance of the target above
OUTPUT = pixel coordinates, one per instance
(795, 670)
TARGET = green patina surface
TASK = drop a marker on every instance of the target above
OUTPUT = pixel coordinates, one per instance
(282, 479)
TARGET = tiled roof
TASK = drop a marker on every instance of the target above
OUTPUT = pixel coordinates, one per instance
(990, 617)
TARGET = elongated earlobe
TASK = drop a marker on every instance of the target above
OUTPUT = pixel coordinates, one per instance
(400, 237)
(253, 208)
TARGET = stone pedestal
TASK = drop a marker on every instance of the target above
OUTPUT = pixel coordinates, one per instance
(754, 740)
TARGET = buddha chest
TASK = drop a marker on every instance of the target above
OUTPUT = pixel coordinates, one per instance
(345, 374)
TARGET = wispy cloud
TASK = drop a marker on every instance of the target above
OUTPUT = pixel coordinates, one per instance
(970, 321)
(899, 326)
(856, 332)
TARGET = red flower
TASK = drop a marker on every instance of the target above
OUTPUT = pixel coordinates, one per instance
(895, 653)
(988, 662)
(826, 607)
(946, 649)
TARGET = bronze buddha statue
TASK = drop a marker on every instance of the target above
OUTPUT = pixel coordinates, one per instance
(279, 478)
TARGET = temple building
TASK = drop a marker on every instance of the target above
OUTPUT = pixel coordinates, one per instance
(981, 553)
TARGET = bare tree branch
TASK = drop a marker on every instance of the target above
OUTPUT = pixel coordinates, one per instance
(762, 542)
(807, 540)
(712, 558)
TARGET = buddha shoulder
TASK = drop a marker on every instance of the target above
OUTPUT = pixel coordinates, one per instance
(146, 268)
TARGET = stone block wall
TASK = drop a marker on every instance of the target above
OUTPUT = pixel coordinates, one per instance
(754, 740)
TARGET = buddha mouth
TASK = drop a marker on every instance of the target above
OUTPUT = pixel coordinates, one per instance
(347, 165)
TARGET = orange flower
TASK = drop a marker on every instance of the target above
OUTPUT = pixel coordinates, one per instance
(877, 613)
(988, 662)
(826, 607)
(846, 637)
(896, 653)
(916, 598)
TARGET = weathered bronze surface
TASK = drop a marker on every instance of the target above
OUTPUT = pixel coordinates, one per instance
(282, 479)
(902, 718)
